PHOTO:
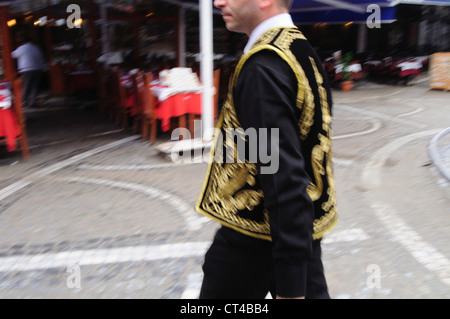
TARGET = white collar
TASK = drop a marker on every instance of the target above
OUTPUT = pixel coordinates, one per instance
(280, 20)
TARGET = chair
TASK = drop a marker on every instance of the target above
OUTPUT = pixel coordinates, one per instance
(106, 91)
(113, 94)
(148, 107)
(121, 110)
(18, 111)
(145, 106)
(139, 97)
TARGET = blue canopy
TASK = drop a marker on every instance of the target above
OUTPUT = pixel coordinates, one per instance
(357, 5)
(340, 11)
(343, 11)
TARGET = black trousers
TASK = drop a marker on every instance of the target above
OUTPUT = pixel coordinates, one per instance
(30, 83)
(241, 267)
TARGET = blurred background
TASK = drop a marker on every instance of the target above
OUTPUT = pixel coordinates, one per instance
(93, 206)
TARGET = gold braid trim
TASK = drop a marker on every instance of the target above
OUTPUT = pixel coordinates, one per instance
(223, 193)
(329, 220)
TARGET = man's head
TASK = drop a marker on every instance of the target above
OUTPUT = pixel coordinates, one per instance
(245, 15)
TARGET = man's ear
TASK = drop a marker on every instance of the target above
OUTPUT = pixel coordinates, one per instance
(264, 4)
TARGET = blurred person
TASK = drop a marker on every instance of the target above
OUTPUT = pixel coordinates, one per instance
(272, 223)
(31, 65)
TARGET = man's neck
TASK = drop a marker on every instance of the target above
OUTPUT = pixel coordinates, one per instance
(265, 17)
(278, 20)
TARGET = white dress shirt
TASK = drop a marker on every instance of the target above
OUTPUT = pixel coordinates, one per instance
(281, 20)
(29, 58)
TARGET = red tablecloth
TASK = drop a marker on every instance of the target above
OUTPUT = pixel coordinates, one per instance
(173, 106)
(177, 105)
(9, 129)
(404, 73)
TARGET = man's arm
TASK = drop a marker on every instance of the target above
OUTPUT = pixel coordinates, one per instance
(265, 98)
(16, 53)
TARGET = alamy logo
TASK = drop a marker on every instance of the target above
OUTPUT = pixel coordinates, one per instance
(374, 278)
(74, 279)
(252, 145)
(74, 19)
(374, 19)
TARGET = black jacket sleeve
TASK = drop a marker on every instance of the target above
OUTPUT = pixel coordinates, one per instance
(265, 99)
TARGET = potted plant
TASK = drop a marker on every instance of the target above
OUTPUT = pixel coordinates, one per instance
(347, 81)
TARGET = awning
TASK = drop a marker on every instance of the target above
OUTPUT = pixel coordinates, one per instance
(343, 11)
(358, 11)
(338, 11)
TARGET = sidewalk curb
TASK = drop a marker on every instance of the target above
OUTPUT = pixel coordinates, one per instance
(435, 153)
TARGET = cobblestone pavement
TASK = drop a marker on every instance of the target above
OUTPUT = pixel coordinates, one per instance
(98, 213)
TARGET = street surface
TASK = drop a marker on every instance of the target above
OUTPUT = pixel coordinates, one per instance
(98, 213)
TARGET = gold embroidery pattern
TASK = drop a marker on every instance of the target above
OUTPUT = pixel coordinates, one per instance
(267, 37)
(228, 191)
(319, 152)
(305, 97)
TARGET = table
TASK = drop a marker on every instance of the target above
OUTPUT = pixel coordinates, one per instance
(409, 68)
(178, 105)
(354, 69)
(9, 129)
(175, 103)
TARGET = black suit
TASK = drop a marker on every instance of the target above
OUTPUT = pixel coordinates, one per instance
(240, 266)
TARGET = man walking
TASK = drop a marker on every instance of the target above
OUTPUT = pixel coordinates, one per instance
(272, 222)
(31, 64)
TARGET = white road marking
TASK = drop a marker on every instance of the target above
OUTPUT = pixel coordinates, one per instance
(102, 256)
(372, 97)
(354, 235)
(342, 162)
(58, 166)
(347, 235)
(376, 125)
(11, 189)
(136, 254)
(193, 220)
(371, 175)
(74, 139)
(423, 252)
(135, 167)
(418, 109)
(193, 286)
(381, 116)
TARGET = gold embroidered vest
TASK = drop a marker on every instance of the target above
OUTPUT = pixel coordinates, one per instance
(231, 193)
